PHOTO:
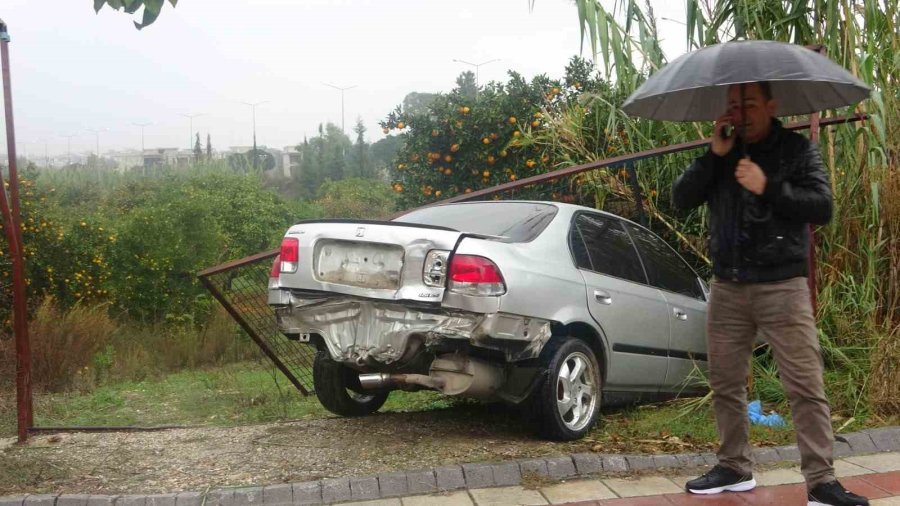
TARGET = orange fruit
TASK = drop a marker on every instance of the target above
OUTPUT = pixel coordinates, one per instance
(401, 125)
(503, 153)
(530, 163)
(454, 148)
(437, 193)
(494, 135)
(468, 190)
(385, 130)
(465, 109)
(448, 172)
(486, 140)
(555, 90)
(486, 174)
(435, 133)
(517, 133)
(545, 158)
(513, 177)
(448, 158)
(535, 123)
(491, 159)
(512, 120)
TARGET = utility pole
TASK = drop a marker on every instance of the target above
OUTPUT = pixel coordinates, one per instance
(68, 148)
(342, 90)
(253, 110)
(191, 126)
(477, 66)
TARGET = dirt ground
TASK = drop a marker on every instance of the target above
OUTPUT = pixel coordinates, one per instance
(193, 459)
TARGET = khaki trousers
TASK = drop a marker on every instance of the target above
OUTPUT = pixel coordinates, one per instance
(782, 313)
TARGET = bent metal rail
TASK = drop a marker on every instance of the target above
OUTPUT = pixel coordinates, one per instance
(241, 286)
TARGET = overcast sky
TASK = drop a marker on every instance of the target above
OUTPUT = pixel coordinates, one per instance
(73, 70)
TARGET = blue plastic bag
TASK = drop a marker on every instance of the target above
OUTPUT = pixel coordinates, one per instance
(755, 412)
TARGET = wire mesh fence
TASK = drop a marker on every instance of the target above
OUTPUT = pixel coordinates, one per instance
(242, 288)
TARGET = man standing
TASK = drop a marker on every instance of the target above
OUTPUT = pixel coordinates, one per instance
(760, 208)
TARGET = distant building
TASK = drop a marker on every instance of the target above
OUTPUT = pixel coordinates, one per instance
(291, 159)
(158, 157)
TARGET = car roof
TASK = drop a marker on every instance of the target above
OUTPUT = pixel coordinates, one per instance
(569, 208)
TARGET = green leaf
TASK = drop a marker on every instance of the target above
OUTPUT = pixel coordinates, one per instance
(151, 12)
(98, 4)
(154, 6)
(603, 30)
(131, 6)
(115, 4)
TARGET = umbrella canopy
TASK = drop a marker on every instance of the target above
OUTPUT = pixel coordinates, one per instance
(694, 86)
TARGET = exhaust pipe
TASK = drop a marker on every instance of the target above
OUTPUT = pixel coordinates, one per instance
(375, 381)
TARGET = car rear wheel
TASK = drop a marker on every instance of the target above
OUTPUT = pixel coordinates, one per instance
(337, 388)
(569, 397)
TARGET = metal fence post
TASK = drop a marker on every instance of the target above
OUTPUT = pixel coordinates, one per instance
(11, 219)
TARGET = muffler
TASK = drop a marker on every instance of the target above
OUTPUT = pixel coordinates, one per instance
(449, 374)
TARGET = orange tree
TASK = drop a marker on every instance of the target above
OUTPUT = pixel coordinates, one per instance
(472, 138)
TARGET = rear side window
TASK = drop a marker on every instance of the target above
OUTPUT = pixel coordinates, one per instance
(516, 221)
(665, 268)
(600, 244)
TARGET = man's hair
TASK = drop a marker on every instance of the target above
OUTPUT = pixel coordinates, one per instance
(765, 88)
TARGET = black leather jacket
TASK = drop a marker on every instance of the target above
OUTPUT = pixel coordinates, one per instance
(766, 237)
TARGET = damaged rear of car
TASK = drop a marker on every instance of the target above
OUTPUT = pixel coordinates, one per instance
(481, 300)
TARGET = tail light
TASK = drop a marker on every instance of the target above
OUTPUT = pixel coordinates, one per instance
(276, 267)
(290, 254)
(475, 275)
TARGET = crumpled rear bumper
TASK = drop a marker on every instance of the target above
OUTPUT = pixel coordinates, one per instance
(357, 330)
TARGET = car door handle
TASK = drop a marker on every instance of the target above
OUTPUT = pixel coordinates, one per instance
(603, 297)
(679, 314)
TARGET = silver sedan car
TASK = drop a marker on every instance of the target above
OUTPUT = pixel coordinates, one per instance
(556, 305)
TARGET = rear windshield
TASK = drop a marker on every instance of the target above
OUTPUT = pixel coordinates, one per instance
(516, 221)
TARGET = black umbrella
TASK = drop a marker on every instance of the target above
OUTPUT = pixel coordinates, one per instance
(694, 86)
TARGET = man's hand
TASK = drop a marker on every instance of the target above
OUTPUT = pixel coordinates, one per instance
(721, 146)
(750, 176)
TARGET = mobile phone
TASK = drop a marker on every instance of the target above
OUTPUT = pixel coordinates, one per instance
(727, 131)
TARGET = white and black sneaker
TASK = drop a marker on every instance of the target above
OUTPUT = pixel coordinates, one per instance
(834, 494)
(721, 479)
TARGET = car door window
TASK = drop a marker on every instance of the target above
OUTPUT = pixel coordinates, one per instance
(600, 244)
(664, 267)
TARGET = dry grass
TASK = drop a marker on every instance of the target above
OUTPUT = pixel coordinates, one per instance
(82, 347)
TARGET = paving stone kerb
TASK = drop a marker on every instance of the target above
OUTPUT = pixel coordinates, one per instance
(447, 478)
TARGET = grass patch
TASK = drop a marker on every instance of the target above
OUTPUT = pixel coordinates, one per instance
(250, 392)
(233, 394)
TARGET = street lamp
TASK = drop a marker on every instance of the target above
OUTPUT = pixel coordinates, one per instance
(342, 90)
(253, 110)
(477, 66)
(142, 125)
(143, 165)
(191, 126)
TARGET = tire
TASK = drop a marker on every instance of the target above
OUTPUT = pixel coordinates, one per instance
(561, 416)
(337, 389)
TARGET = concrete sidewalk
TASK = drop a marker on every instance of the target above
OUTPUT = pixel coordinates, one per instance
(869, 465)
(875, 476)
